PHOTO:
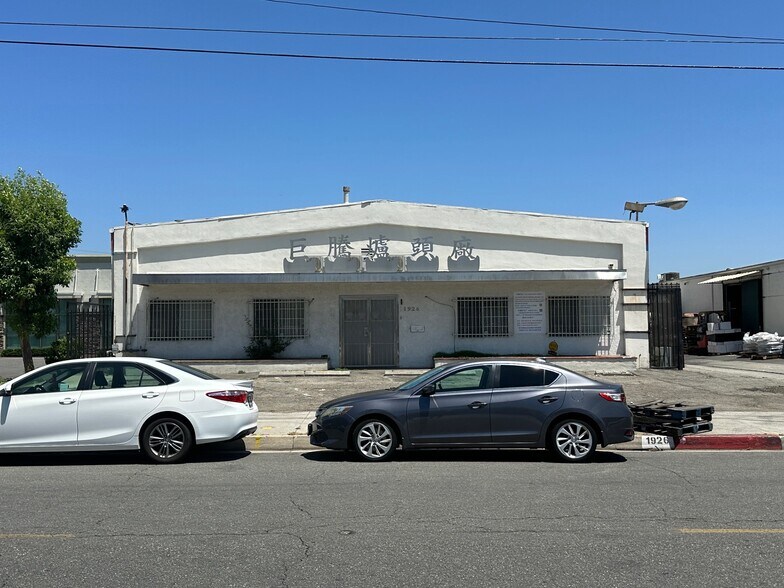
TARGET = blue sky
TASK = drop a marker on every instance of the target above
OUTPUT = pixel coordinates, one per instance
(187, 136)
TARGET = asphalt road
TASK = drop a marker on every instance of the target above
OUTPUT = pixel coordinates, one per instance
(478, 518)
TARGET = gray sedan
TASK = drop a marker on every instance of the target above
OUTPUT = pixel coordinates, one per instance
(490, 403)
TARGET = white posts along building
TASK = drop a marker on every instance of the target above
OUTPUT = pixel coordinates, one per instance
(382, 284)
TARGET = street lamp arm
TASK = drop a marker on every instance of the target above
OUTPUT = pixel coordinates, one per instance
(674, 203)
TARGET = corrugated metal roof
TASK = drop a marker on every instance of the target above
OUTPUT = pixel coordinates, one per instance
(728, 277)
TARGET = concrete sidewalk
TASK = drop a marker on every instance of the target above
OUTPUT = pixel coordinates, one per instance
(731, 430)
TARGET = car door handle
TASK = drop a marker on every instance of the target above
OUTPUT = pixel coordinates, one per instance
(149, 395)
(548, 399)
(67, 400)
(477, 404)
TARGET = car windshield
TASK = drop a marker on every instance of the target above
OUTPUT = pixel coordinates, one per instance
(419, 379)
(189, 370)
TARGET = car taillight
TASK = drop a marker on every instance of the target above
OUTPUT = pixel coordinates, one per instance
(240, 396)
(613, 396)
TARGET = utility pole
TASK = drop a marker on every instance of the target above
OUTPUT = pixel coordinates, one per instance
(124, 209)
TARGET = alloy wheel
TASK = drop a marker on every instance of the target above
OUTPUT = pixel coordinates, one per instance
(574, 440)
(375, 440)
(167, 440)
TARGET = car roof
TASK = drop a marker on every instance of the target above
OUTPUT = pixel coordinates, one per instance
(533, 362)
(145, 360)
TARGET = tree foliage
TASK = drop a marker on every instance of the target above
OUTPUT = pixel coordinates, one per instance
(36, 233)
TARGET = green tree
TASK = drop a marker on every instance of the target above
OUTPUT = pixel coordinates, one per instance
(36, 233)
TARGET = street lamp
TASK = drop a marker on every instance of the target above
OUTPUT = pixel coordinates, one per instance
(675, 203)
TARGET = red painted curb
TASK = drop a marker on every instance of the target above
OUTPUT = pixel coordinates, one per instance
(736, 442)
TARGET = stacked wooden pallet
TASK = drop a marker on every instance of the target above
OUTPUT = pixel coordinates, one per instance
(672, 419)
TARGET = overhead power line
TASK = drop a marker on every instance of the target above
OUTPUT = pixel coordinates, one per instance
(517, 22)
(377, 35)
(394, 59)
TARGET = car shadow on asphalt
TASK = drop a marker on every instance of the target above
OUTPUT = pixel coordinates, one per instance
(213, 453)
(469, 455)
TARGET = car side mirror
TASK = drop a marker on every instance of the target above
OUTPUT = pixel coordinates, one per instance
(5, 391)
(428, 390)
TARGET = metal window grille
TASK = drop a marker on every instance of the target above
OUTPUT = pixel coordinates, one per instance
(179, 320)
(482, 316)
(573, 316)
(279, 317)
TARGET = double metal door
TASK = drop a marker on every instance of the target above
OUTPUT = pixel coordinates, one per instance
(368, 332)
(665, 326)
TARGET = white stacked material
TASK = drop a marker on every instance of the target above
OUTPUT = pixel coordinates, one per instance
(763, 343)
(749, 344)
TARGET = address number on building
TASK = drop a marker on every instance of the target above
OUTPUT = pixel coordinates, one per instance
(657, 442)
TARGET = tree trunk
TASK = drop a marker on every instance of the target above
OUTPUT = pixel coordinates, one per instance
(27, 352)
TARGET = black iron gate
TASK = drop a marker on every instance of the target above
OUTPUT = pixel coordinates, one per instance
(665, 326)
(89, 329)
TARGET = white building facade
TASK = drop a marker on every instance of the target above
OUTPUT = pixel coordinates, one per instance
(382, 284)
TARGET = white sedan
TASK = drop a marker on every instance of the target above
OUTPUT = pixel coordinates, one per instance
(158, 406)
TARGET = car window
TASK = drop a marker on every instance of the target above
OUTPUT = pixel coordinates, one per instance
(123, 375)
(62, 378)
(189, 370)
(467, 379)
(423, 377)
(521, 376)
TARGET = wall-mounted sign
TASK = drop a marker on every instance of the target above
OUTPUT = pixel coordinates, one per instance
(344, 255)
(529, 312)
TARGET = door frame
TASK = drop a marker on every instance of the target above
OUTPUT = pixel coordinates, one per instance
(368, 297)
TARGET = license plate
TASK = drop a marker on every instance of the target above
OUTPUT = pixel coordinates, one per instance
(657, 442)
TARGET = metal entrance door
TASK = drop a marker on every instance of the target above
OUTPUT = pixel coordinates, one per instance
(665, 326)
(368, 332)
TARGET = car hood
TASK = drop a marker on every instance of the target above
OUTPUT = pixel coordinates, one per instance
(361, 396)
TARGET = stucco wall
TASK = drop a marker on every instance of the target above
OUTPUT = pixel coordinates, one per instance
(429, 308)
(697, 297)
(260, 243)
(505, 240)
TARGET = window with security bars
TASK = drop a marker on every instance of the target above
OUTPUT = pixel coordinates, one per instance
(483, 316)
(573, 316)
(180, 320)
(276, 317)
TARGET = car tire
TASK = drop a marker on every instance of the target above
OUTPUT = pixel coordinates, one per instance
(375, 440)
(572, 440)
(166, 440)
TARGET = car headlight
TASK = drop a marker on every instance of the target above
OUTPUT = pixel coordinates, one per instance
(334, 411)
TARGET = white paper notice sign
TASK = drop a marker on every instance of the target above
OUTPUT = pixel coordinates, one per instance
(529, 312)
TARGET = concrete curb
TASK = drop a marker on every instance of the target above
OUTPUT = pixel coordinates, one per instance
(732, 442)
(693, 442)
(276, 443)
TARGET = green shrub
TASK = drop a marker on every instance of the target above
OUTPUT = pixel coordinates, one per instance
(58, 351)
(16, 352)
(266, 346)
